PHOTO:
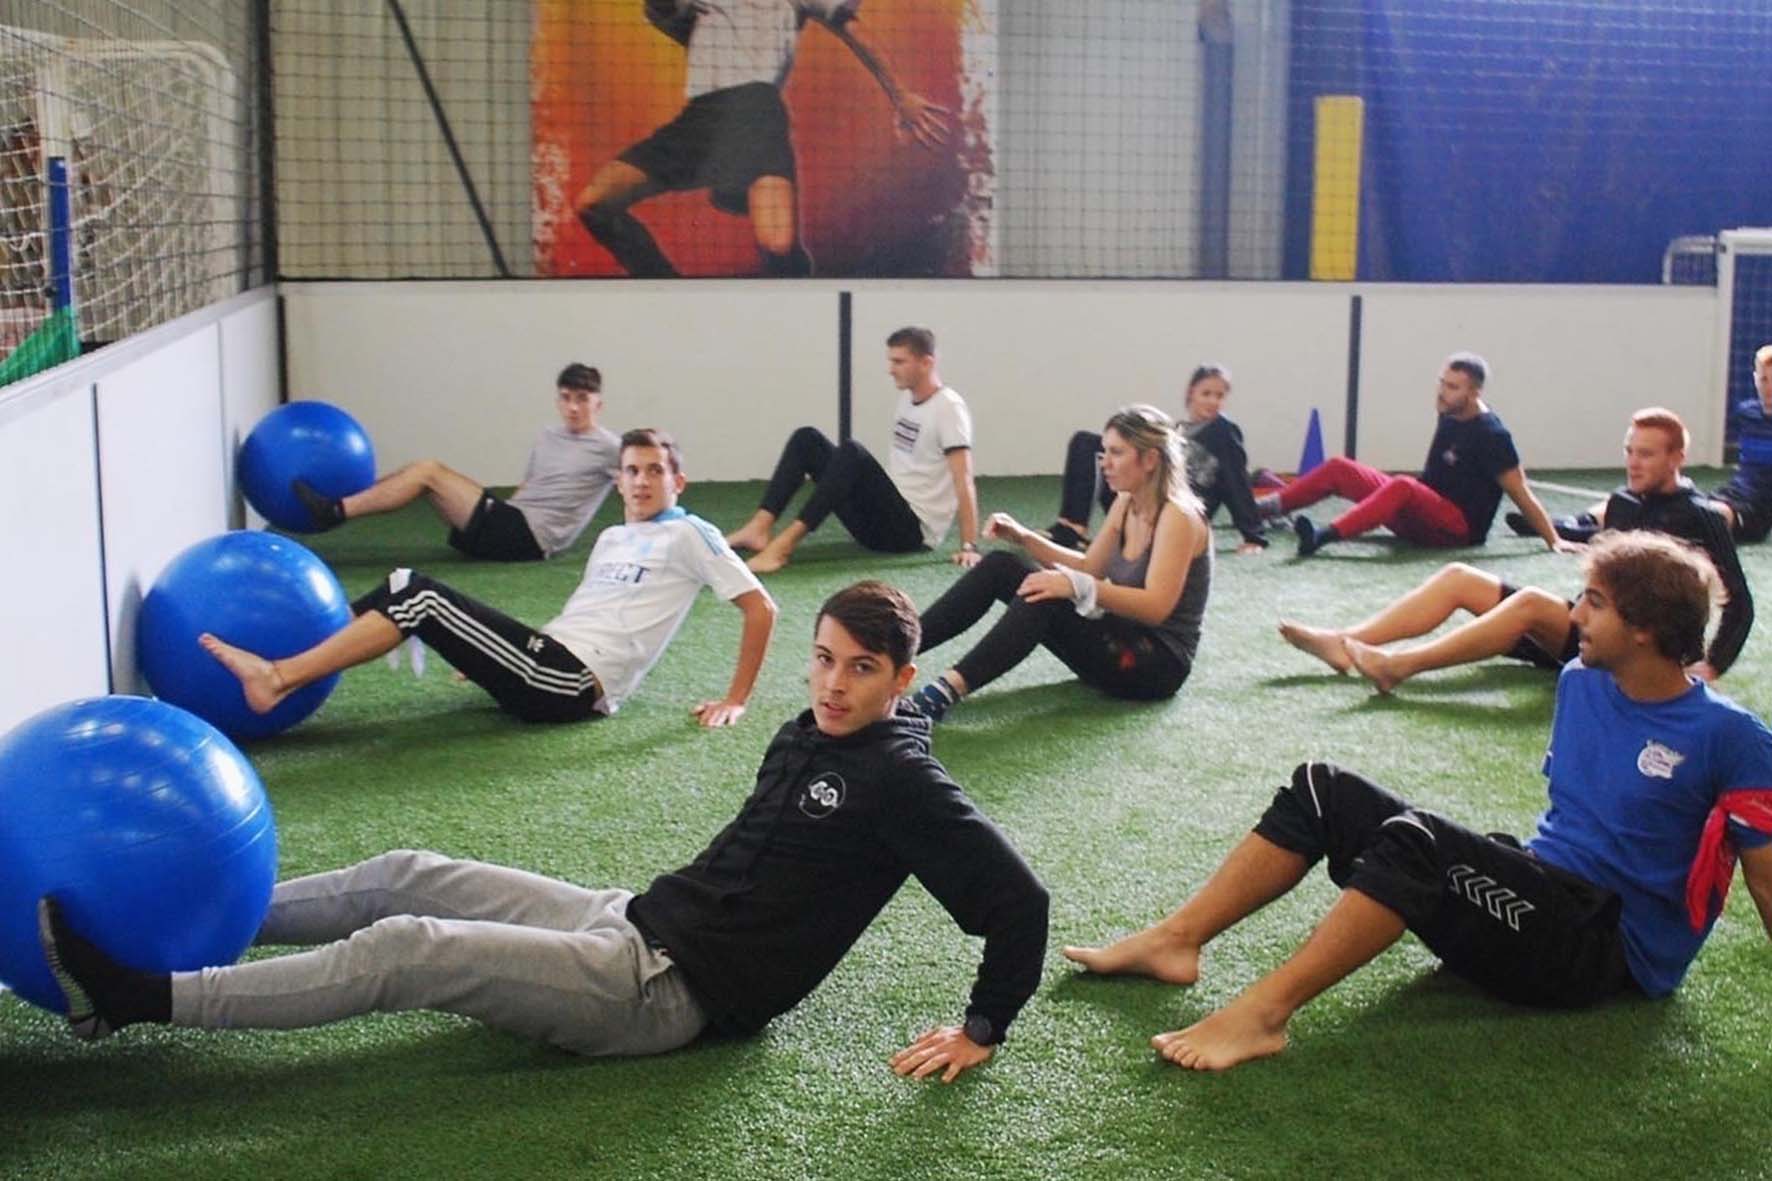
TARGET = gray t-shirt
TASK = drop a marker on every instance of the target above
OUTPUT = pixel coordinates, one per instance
(565, 483)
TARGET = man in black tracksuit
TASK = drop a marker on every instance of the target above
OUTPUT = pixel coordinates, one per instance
(848, 803)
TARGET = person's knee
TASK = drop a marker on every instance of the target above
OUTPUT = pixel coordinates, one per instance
(1084, 445)
(402, 865)
(808, 437)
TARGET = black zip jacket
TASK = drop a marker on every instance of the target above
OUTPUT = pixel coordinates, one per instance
(831, 831)
(1688, 514)
(1218, 472)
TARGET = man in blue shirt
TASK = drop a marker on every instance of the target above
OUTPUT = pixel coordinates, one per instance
(1656, 783)
(1747, 497)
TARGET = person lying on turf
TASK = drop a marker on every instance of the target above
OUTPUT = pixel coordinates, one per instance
(1217, 468)
(1531, 624)
(640, 581)
(848, 803)
(571, 469)
(1125, 616)
(1657, 783)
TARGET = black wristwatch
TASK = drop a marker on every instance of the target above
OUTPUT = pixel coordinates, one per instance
(981, 1030)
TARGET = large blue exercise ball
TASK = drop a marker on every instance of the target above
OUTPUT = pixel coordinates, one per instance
(150, 827)
(267, 594)
(312, 441)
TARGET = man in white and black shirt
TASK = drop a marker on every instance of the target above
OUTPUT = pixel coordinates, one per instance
(641, 580)
(908, 505)
(732, 137)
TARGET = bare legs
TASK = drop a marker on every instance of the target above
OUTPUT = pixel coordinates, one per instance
(1498, 625)
(451, 494)
(776, 551)
(1254, 1024)
(267, 682)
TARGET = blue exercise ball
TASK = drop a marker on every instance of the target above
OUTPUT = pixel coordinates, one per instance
(267, 594)
(312, 441)
(146, 822)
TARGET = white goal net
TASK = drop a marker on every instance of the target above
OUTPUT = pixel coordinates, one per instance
(149, 136)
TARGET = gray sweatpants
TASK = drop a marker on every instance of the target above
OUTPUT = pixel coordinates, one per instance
(411, 930)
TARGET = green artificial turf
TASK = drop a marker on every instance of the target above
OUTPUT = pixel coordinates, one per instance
(1121, 808)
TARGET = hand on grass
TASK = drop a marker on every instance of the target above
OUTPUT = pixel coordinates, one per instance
(947, 1049)
(715, 714)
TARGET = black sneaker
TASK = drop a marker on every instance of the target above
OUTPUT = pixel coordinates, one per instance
(327, 512)
(1062, 534)
(1518, 523)
(84, 1018)
(1310, 538)
(935, 699)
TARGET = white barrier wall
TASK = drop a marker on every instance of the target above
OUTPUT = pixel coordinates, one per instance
(108, 467)
(462, 371)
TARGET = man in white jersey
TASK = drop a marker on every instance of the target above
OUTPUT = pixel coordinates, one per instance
(906, 506)
(571, 469)
(641, 580)
(732, 137)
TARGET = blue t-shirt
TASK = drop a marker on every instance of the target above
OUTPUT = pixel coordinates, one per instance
(1631, 785)
(1462, 463)
(1754, 432)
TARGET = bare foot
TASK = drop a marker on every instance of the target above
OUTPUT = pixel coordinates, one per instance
(752, 537)
(259, 678)
(769, 559)
(1240, 1032)
(1375, 664)
(1154, 952)
(1326, 645)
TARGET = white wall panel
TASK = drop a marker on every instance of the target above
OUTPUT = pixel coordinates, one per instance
(52, 618)
(1037, 361)
(161, 474)
(249, 392)
(1569, 364)
(464, 372)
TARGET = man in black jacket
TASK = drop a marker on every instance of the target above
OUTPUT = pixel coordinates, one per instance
(848, 803)
(1532, 624)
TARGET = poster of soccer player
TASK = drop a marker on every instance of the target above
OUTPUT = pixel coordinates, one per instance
(763, 137)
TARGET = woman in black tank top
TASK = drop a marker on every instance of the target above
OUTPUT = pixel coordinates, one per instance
(1124, 616)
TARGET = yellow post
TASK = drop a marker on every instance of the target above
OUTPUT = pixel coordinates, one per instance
(1335, 193)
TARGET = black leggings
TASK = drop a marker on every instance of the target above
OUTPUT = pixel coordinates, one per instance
(1517, 926)
(848, 481)
(530, 674)
(1083, 486)
(1119, 656)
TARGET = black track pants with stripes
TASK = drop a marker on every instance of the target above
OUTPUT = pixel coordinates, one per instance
(1517, 926)
(531, 675)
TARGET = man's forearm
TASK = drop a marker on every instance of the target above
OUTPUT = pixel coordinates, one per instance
(753, 646)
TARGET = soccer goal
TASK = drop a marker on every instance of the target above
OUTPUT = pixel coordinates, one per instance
(122, 183)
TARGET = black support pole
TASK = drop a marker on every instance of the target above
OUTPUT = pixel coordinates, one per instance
(1215, 140)
(265, 122)
(1353, 377)
(845, 378)
(461, 165)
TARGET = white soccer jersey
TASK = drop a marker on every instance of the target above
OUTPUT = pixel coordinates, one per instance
(638, 586)
(743, 41)
(922, 435)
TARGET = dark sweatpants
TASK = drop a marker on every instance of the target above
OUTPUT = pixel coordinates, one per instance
(1517, 926)
(530, 674)
(1119, 656)
(848, 481)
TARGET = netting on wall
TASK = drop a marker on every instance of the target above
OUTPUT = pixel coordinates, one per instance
(127, 186)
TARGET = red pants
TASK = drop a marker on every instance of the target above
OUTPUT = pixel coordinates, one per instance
(1411, 509)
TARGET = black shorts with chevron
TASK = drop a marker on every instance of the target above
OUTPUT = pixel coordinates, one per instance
(1517, 926)
(530, 674)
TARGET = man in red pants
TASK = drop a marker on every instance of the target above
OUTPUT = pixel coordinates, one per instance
(1470, 463)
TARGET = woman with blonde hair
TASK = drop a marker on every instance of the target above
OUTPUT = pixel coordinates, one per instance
(1125, 615)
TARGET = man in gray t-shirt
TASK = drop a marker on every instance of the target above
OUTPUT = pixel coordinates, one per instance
(571, 469)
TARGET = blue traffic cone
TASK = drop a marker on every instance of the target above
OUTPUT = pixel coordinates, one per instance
(1313, 444)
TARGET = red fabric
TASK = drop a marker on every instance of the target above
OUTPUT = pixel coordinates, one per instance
(1707, 886)
(1411, 509)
